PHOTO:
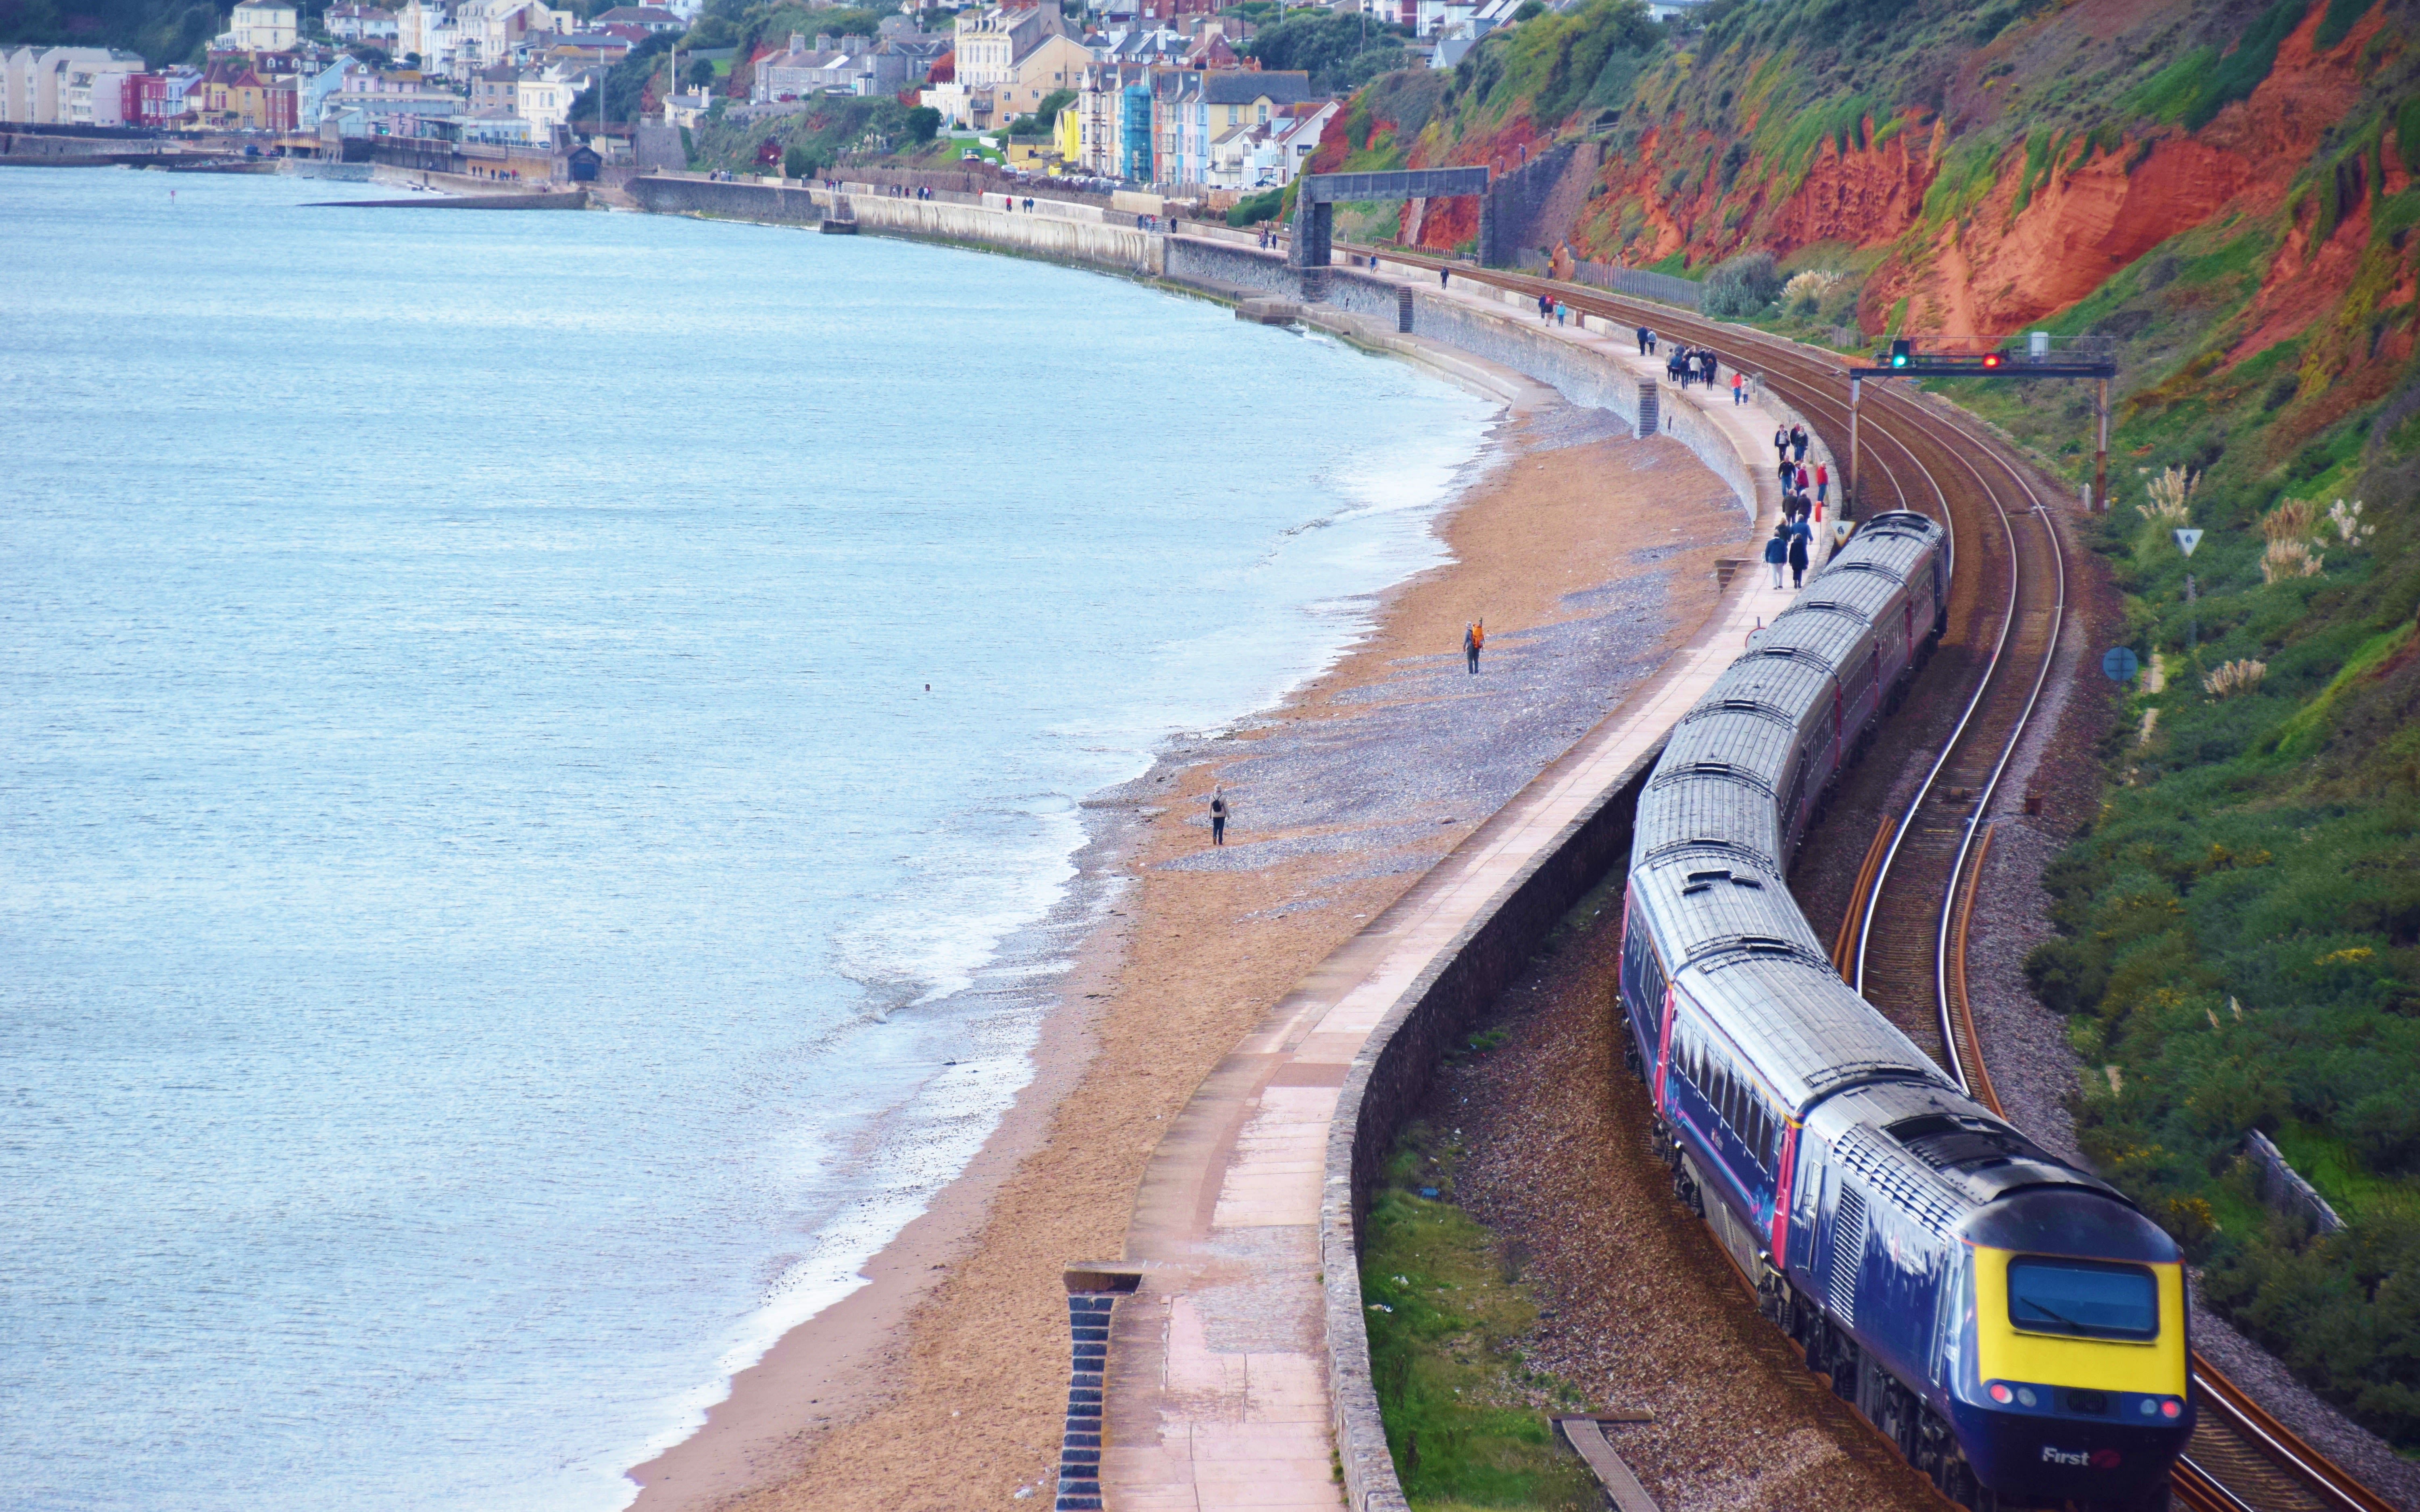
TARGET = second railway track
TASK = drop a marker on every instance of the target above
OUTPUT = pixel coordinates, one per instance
(1903, 937)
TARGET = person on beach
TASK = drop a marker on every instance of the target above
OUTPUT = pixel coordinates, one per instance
(1781, 444)
(1474, 635)
(1218, 816)
(1798, 441)
(1801, 535)
(1776, 551)
(1739, 389)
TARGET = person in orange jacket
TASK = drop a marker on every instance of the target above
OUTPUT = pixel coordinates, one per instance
(1474, 635)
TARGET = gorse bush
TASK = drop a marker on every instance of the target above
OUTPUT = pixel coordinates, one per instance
(1742, 286)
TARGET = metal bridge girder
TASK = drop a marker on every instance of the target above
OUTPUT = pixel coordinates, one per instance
(1414, 183)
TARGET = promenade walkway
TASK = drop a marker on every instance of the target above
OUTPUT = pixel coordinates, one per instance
(1218, 1394)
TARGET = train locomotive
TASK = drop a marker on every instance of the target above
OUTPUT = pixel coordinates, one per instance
(2015, 1325)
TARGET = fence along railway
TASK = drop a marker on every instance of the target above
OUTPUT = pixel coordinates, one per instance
(1902, 938)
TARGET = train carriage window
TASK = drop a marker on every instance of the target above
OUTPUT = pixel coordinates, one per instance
(2087, 1298)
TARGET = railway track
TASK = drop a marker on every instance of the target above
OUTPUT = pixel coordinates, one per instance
(1903, 940)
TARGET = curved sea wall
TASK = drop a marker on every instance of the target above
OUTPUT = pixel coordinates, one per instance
(1387, 1079)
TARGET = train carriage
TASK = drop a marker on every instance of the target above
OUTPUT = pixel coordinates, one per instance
(2012, 1324)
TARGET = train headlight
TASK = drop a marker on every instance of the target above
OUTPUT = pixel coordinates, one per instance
(2000, 1392)
(2150, 1407)
(2026, 1396)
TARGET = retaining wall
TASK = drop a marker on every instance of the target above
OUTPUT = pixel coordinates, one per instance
(1123, 249)
(1389, 1078)
(1119, 247)
(1200, 260)
(742, 201)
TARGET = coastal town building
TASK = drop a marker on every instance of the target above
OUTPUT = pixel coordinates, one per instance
(35, 86)
(360, 23)
(1268, 152)
(1007, 60)
(1191, 109)
(261, 26)
(799, 71)
(646, 18)
(1113, 111)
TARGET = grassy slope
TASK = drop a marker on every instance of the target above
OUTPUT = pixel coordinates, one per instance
(2240, 929)
(1466, 1417)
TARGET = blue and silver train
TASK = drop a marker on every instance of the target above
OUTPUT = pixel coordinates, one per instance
(2013, 1324)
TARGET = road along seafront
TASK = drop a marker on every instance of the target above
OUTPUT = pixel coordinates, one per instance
(1219, 1045)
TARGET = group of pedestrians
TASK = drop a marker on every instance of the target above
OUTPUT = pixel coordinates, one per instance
(1553, 309)
(1692, 365)
(1789, 545)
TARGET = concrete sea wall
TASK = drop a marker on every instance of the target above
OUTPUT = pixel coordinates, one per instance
(1390, 1075)
(739, 202)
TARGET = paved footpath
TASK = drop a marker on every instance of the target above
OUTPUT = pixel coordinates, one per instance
(1218, 1380)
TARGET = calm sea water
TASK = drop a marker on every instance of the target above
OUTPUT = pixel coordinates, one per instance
(488, 905)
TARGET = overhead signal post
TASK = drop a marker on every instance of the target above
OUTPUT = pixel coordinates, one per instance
(2085, 357)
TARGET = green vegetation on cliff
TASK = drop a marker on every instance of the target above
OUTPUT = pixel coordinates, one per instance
(2225, 192)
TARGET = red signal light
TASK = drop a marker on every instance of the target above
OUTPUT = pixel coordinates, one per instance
(2172, 1408)
(2000, 1392)
(1992, 358)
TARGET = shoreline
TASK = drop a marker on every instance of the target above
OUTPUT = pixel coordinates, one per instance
(963, 1307)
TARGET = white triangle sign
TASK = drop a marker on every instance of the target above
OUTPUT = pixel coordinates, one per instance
(2187, 539)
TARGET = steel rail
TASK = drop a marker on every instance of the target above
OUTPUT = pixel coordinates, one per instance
(2308, 1473)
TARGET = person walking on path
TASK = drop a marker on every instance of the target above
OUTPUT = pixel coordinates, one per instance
(1739, 389)
(1801, 534)
(1445, 277)
(1823, 481)
(1780, 443)
(1798, 441)
(1802, 480)
(1474, 635)
(1642, 341)
(1219, 815)
(1651, 341)
(1789, 474)
(1776, 551)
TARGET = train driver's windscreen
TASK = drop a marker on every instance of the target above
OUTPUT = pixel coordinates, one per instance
(2084, 1298)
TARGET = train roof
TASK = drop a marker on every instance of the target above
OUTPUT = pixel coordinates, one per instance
(1752, 741)
(1907, 1128)
(1805, 1032)
(1824, 631)
(1898, 524)
(1783, 684)
(1704, 898)
(1863, 589)
(1704, 805)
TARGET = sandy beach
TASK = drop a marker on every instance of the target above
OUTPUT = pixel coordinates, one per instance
(1590, 556)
